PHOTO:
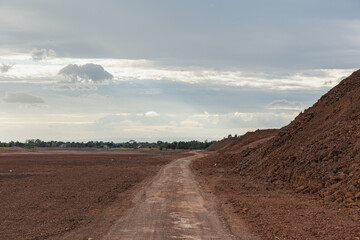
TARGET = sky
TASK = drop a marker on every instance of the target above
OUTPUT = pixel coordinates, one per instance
(116, 70)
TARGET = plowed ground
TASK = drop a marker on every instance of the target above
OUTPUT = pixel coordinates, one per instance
(53, 193)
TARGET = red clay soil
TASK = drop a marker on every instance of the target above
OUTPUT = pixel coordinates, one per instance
(232, 144)
(319, 152)
(50, 194)
(250, 140)
(220, 145)
(304, 183)
(271, 212)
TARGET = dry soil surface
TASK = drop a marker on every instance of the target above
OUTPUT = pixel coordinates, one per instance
(271, 212)
(70, 194)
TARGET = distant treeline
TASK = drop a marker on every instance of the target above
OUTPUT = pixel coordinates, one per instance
(100, 144)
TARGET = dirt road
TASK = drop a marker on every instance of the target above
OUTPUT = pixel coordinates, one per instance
(170, 207)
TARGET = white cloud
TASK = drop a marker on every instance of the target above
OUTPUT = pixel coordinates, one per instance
(21, 97)
(244, 116)
(152, 114)
(151, 92)
(190, 124)
(244, 119)
(79, 70)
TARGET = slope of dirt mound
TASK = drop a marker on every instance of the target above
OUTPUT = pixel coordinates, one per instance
(236, 144)
(222, 144)
(304, 183)
(319, 152)
(250, 140)
(271, 212)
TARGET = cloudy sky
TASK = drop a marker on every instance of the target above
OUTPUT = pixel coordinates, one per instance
(167, 69)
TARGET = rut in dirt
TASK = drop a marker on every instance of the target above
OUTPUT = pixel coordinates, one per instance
(170, 207)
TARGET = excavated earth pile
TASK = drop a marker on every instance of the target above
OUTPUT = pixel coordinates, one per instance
(299, 182)
(236, 144)
(318, 152)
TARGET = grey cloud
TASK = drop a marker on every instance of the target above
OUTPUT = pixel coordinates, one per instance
(333, 82)
(21, 97)
(254, 34)
(284, 104)
(59, 88)
(40, 54)
(95, 96)
(88, 73)
(6, 67)
(71, 88)
(151, 92)
(86, 88)
(62, 88)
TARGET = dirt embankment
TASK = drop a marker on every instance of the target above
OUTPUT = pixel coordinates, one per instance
(47, 194)
(236, 144)
(303, 183)
(273, 212)
(319, 152)
(220, 145)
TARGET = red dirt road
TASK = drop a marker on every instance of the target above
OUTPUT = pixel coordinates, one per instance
(171, 206)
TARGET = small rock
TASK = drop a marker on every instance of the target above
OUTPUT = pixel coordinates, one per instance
(357, 195)
(348, 195)
(336, 185)
(300, 188)
(328, 198)
(327, 193)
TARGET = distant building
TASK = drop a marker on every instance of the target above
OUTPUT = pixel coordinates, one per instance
(106, 146)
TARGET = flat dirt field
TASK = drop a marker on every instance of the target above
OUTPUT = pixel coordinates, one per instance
(271, 212)
(77, 194)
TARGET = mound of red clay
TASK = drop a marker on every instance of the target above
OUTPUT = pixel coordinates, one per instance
(250, 140)
(221, 145)
(318, 152)
(236, 144)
